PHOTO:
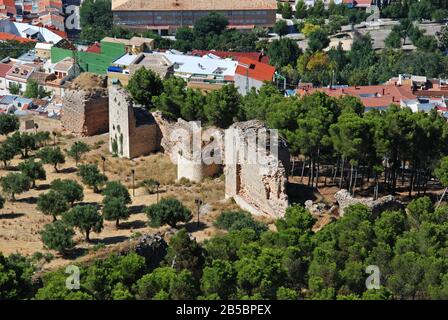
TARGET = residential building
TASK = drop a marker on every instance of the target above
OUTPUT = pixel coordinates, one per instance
(4, 36)
(252, 74)
(378, 97)
(28, 31)
(166, 16)
(8, 8)
(52, 19)
(124, 67)
(364, 4)
(234, 55)
(135, 45)
(43, 50)
(19, 75)
(203, 73)
(4, 68)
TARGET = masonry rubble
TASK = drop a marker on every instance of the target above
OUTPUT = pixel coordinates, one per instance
(345, 199)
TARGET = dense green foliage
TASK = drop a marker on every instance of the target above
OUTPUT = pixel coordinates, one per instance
(91, 176)
(68, 189)
(168, 211)
(237, 220)
(33, 170)
(52, 203)
(77, 150)
(290, 263)
(84, 217)
(57, 236)
(144, 85)
(8, 123)
(95, 26)
(51, 155)
(15, 277)
(15, 183)
(14, 49)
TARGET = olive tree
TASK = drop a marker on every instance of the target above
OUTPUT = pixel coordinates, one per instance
(168, 211)
(15, 183)
(86, 218)
(52, 203)
(91, 176)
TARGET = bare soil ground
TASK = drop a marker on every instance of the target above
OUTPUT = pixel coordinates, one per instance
(20, 221)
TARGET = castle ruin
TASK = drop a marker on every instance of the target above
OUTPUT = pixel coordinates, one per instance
(256, 186)
(86, 106)
(132, 129)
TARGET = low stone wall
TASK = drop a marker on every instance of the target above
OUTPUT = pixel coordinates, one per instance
(345, 199)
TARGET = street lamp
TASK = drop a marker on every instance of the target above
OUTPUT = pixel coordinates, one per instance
(54, 139)
(198, 203)
(104, 164)
(157, 190)
(76, 153)
(36, 126)
(133, 182)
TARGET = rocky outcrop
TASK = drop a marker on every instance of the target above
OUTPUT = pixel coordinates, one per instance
(345, 199)
(152, 247)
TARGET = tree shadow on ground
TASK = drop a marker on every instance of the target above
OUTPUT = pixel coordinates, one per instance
(137, 209)
(85, 203)
(110, 240)
(299, 193)
(43, 186)
(75, 253)
(11, 215)
(29, 200)
(68, 170)
(137, 224)
(194, 227)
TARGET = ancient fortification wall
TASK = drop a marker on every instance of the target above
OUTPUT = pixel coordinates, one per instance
(86, 106)
(132, 130)
(260, 187)
(175, 144)
(85, 112)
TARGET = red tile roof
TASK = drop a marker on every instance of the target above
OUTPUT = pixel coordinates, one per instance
(9, 7)
(94, 48)
(4, 36)
(254, 69)
(371, 96)
(258, 56)
(4, 68)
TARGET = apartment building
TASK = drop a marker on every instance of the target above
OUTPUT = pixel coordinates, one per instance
(166, 16)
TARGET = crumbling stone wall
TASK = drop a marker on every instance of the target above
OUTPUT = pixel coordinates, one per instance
(260, 187)
(345, 199)
(132, 130)
(175, 143)
(85, 112)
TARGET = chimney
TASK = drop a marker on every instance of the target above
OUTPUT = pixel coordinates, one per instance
(343, 91)
(393, 98)
(384, 91)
